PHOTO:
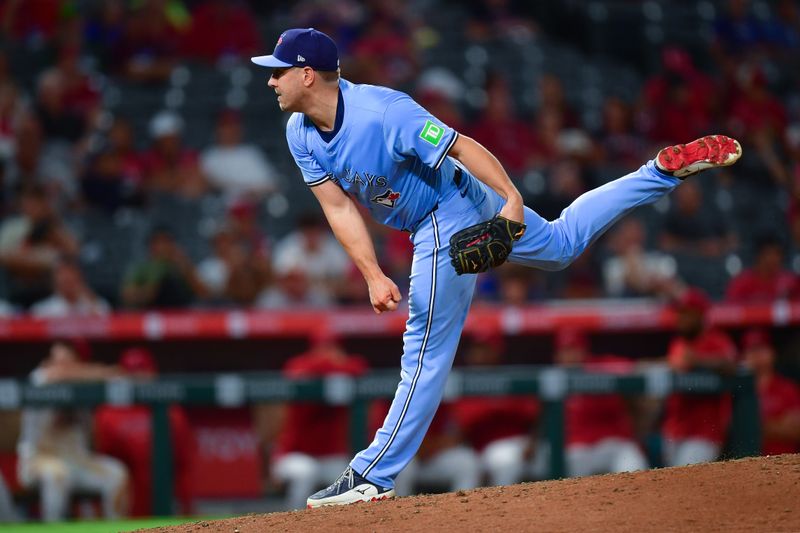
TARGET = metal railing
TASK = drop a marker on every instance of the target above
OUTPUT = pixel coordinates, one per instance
(552, 385)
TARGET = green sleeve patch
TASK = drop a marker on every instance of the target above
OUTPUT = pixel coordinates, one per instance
(432, 133)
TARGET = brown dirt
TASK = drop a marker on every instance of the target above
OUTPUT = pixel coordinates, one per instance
(758, 494)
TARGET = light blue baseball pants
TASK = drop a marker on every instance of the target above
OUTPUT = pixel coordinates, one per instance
(439, 299)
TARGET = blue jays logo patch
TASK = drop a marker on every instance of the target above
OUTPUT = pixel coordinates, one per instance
(387, 198)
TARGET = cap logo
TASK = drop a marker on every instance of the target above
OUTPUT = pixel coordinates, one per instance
(280, 40)
(301, 58)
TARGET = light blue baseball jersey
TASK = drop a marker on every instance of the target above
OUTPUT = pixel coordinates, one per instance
(390, 154)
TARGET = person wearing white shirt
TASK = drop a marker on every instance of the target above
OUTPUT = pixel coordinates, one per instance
(71, 296)
(237, 169)
(314, 251)
(54, 451)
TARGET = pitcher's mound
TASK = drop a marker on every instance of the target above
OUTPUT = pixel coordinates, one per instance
(758, 494)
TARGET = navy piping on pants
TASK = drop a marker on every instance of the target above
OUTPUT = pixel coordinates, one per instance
(421, 355)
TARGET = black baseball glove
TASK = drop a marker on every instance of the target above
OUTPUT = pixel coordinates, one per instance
(487, 244)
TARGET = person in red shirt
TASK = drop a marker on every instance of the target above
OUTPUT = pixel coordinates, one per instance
(778, 397)
(695, 426)
(767, 280)
(680, 90)
(599, 427)
(754, 110)
(221, 30)
(500, 428)
(169, 167)
(500, 129)
(125, 432)
(313, 447)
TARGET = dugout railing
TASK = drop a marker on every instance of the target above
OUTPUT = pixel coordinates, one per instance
(552, 385)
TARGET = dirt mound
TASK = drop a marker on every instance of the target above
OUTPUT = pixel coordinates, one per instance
(758, 494)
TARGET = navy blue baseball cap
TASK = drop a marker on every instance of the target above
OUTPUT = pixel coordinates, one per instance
(302, 47)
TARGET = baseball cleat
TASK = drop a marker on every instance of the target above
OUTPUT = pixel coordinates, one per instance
(711, 151)
(351, 487)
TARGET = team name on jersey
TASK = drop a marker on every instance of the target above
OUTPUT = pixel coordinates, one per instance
(363, 179)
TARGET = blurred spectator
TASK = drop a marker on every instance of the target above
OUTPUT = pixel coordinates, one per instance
(233, 273)
(11, 110)
(384, 51)
(566, 181)
(168, 166)
(113, 174)
(54, 453)
(694, 227)
(599, 427)
(80, 91)
(778, 397)
(166, 279)
(341, 19)
(674, 113)
(755, 109)
(242, 220)
(500, 129)
(439, 91)
(237, 169)
(736, 30)
(31, 23)
(125, 432)
(151, 40)
(695, 425)
(442, 460)
(767, 280)
(104, 30)
(60, 122)
(34, 162)
(112, 177)
(551, 135)
(104, 183)
(352, 289)
(620, 145)
(676, 104)
(313, 447)
(581, 281)
(551, 96)
(632, 270)
(292, 289)
(518, 285)
(313, 251)
(499, 428)
(442, 107)
(31, 244)
(222, 29)
(758, 118)
(71, 296)
(782, 30)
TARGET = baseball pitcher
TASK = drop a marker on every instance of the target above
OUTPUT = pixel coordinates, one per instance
(378, 147)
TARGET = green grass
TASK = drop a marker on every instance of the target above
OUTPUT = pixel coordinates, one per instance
(98, 526)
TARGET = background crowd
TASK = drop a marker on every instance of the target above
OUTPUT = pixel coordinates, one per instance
(143, 166)
(143, 163)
